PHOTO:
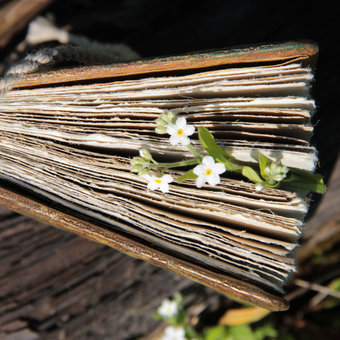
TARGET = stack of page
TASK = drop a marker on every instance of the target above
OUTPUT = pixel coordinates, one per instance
(72, 144)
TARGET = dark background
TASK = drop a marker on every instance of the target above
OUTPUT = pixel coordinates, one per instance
(158, 28)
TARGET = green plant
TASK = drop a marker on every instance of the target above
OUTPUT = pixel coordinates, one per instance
(215, 162)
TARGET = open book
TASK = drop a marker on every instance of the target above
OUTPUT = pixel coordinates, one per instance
(67, 138)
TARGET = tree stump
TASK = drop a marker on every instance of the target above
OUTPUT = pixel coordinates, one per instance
(56, 285)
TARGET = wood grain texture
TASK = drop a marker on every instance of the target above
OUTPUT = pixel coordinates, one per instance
(55, 285)
(323, 229)
(15, 15)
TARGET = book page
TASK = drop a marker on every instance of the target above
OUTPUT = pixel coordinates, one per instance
(73, 144)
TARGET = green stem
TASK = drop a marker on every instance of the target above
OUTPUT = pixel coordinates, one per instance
(195, 153)
(175, 164)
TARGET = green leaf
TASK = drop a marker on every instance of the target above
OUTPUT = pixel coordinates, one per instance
(161, 130)
(174, 320)
(187, 176)
(232, 166)
(190, 332)
(156, 316)
(265, 331)
(208, 142)
(335, 284)
(251, 174)
(314, 187)
(178, 297)
(286, 336)
(264, 162)
(242, 332)
(305, 180)
(217, 333)
(180, 317)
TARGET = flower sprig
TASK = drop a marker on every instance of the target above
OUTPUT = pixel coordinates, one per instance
(172, 311)
(180, 328)
(216, 161)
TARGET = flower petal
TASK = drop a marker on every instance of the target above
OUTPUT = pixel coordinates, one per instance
(171, 129)
(218, 168)
(164, 187)
(199, 169)
(181, 122)
(200, 180)
(189, 130)
(147, 177)
(213, 179)
(174, 139)
(152, 185)
(167, 179)
(168, 309)
(208, 161)
(174, 333)
(184, 140)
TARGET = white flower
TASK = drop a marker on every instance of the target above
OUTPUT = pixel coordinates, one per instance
(208, 171)
(161, 183)
(180, 131)
(275, 172)
(168, 309)
(174, 333)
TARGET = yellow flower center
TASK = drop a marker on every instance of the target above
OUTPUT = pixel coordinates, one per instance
(208, 172)
(159, 181)
(180, 132)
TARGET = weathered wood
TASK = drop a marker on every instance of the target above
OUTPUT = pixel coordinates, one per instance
(55, 285)
(323, 228)
(15, 15)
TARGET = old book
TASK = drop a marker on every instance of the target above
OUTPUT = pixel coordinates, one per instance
(67, 138)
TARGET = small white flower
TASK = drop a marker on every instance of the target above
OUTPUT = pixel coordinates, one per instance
(168, 309)
(275, 172)
(208, 171)
(161, 183)
(174, 333)
(180, 131)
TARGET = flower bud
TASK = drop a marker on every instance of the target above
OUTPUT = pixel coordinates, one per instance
(164, 119)
(145, 154)
(275, 172)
